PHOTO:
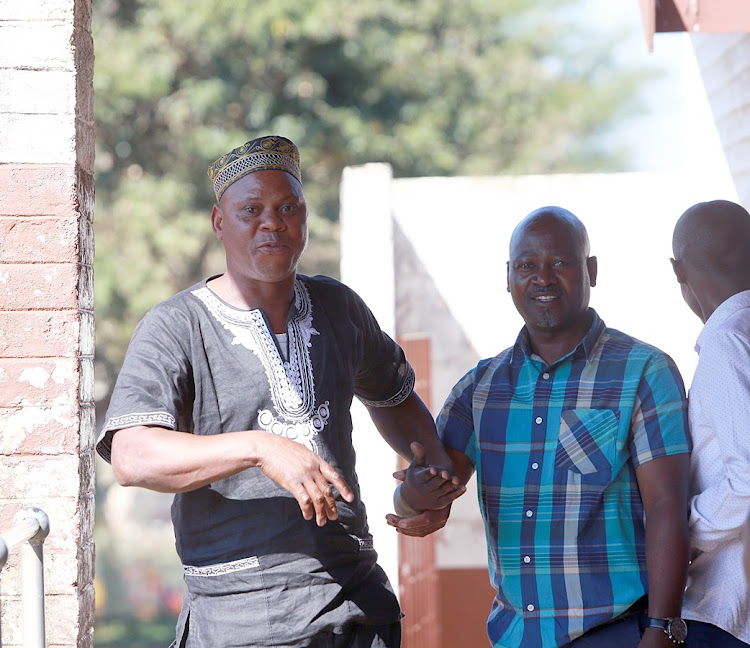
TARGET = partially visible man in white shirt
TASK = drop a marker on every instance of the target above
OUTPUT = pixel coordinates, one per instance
(711, 246)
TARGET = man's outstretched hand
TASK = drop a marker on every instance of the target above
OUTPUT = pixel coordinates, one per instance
(423, 499)
(420, 525)
(425, 487)
(306, 476)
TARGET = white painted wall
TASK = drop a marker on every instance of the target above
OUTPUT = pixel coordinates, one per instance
(724, 61)
(367, 267)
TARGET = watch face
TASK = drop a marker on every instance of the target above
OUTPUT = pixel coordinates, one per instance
(677, 630)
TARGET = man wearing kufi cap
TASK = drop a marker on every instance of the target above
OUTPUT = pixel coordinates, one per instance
(235, 395)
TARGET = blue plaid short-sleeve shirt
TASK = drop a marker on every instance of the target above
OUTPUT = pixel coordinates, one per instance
(555, 450)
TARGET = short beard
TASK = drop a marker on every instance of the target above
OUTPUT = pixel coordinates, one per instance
(546, 320)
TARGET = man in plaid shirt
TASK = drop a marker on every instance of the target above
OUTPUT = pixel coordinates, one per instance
(577, 434)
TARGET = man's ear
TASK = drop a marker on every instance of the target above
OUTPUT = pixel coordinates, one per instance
(679, 271)
(593, 268)
(217, 222)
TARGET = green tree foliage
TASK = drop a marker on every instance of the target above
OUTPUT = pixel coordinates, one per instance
(434, 87)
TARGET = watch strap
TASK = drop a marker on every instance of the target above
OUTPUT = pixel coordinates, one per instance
(658, 622)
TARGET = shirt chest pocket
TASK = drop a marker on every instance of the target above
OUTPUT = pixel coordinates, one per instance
(586, 443)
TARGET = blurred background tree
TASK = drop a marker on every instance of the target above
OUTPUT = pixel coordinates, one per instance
(434, 87)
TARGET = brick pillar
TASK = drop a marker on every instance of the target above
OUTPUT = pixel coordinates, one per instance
(46, 304)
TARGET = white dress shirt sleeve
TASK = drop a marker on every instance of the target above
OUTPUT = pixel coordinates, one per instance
(720, 510)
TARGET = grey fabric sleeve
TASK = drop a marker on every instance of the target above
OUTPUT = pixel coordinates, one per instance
(155, 385)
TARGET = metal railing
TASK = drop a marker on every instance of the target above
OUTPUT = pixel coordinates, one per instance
(30, 528)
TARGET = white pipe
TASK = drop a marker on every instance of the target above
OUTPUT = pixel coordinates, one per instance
(30, 528)
(32, 579)
(24, 528)
(3, 560)
(32, 569)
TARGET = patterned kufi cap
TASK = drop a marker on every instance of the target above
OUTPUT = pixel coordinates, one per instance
(271, 152)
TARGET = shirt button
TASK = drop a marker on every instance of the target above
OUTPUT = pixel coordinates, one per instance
(530, 607)
(527, 559)
(529, 513)
(534, 466)
(538, 419)
(545, 376)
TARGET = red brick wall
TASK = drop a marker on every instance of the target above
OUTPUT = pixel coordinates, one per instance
(46, 304)
(465, 601)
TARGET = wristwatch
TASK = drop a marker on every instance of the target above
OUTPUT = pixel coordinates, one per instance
(674, 627)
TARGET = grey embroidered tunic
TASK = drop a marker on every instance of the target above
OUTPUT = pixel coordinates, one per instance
(258, 573)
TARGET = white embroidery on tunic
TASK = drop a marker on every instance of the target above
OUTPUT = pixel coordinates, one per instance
(291, 383)
(400, 396)
(222, 568)
(141, 418)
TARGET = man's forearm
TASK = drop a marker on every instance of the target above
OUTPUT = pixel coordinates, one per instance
(408, 422)
(173, 462)
(667, 558)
